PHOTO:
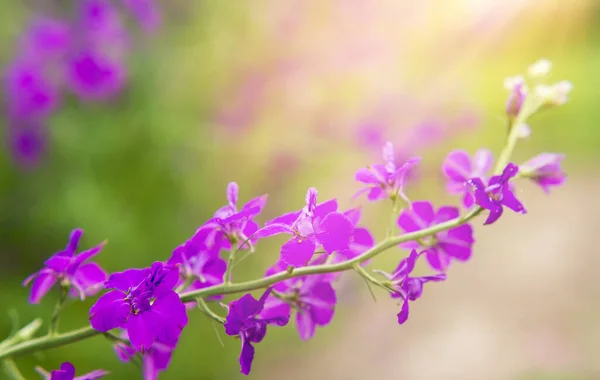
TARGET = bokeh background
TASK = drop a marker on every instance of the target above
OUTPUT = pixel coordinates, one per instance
(280, 95)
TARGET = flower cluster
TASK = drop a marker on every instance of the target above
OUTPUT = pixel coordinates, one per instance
(148, 307)
(84, 56)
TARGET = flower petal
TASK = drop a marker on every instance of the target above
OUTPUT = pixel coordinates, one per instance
(273, 229)
(297, 252)
(246, 357)
(510, 201)
(457, 166)
(403, 314)
(142, 330)
(232, 193)
(90, 278)
(110, 311)
(335, 233)
(126, 279)
(495, 213)
(306, 326)
(41, 286)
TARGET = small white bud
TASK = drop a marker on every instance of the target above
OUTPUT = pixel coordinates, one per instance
(540, 68)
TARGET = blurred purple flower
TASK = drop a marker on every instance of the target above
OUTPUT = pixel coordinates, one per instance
(67, 372)
(46, 39)
(544, 169)
(385, 180)
(69, 270)
(130, 306)
(146, 12)
(27, 141)
(516, 98)
(242, 321)
(30, 94)
(497, 194)
(455, 243)
(94, 76)
(458, 167)
(408, 288)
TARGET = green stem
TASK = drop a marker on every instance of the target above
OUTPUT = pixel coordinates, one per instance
(23, 334)
(62, 297)
(11, 369)
(230, 259)
(48, 341)
(208, 312)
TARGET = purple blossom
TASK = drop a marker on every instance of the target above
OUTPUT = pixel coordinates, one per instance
(312, 297)
(497, 194)
(544, 169)
(146, 12)
(68, 269)
(313, 226)
(230, 225)
(100, 25)
(406, 287)
(516, 98)
(27, 141)
(67, 372)
(154, 359)
(458, 167)
(30, 94)
(455, 243)
(46, 39)
(360, 241)
(242, 321)
(93, 75)
(199, 264)
(385, 180)
(142, 302)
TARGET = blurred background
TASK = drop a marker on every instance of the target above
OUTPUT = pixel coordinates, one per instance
(281, 95)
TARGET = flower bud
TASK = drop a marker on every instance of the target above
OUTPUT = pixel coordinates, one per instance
(544, 169)
(540, 68)
(518, 92)
(554, 95)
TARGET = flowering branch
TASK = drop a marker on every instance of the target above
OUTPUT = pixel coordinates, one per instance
(149, 305)
(63, 339)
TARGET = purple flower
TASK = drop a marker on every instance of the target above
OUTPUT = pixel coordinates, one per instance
(92, 75)
(516, 98)
(497, 194)
(406, 287)
(46, 39)
(312, 297)
(101, 26)
(230, 225)
(385, 180)
(360, 241)
(154, 359)
(70, 271)
(459, 168)
(67, 372)
(146, 12)
(455, 243)
(544, 169)
(312, 226)
(242, 321)
(31, 95)
(27, 141)
(199, 265)
(143, 302)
